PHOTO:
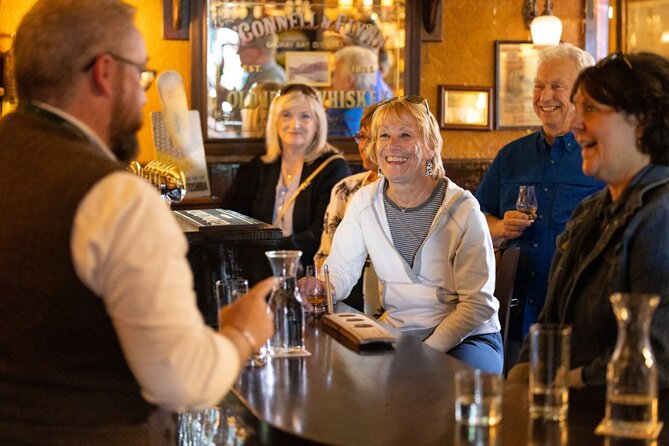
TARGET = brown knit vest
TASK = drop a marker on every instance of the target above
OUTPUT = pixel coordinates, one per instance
(62, 371)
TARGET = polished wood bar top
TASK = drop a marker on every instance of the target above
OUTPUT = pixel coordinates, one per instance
(398, 396)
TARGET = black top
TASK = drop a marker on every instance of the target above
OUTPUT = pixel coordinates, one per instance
(254, 190)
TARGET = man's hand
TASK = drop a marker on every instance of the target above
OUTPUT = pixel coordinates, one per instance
(248, 321)
(510, 227)
(515, 223)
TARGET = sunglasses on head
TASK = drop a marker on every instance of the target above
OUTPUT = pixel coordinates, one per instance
(616, 57)
(302, 88)
(413, 99)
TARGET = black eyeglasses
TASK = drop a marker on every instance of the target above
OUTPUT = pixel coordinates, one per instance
(302, 88)
(359, 137)
(412, 99)
(614, 57)
(146, 76)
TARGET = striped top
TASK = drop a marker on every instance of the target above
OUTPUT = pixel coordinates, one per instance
(409, 227)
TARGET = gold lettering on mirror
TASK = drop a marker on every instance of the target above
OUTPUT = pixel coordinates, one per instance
(353, 56)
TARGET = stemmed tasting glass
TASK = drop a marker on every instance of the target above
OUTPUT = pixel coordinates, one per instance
(315, 291)
(527, 201)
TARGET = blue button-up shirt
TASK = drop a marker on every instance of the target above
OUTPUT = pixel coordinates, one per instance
(560, 185)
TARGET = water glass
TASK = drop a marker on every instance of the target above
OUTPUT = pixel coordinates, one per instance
(543, 433)
(527, 201)
(478, 398)
(477, 435)
(199, 428)
(227, 291)
(549, 366)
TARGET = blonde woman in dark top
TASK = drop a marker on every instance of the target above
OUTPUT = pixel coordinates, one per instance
(289, 186)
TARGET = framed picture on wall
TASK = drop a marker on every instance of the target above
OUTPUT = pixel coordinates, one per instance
(308, 67)
(645, 26)
(515, 68)
(465, 108)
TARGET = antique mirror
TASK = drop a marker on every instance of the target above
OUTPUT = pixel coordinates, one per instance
(626, 25)
(245, 51)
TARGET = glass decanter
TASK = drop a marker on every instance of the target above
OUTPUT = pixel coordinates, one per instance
(286, 304)
(631, 377)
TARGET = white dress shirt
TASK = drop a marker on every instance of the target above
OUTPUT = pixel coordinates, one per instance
(129, 250)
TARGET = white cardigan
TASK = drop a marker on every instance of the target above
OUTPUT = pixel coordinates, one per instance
(451, 284)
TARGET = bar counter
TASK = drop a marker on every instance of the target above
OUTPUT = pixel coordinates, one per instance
(399, 396)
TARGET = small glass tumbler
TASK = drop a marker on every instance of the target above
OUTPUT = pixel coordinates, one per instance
(478, 398)
(227, 291)
(549, 365)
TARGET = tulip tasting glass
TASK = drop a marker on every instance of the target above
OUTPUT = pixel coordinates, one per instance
(478, 398)
(315, 292)
(549, 366)
(527, 201)
(227, 292)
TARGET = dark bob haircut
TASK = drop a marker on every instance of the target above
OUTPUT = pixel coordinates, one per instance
(637, 84)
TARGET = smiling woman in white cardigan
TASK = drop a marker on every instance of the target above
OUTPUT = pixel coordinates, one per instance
(427, 239)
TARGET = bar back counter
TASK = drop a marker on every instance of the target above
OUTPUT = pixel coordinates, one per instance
(223, 244)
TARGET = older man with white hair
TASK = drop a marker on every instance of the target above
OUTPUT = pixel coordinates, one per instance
(353, 83)
(549, 159)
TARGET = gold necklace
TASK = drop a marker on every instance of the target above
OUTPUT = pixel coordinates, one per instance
(288, 176)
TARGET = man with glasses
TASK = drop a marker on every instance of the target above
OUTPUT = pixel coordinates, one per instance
(100, 323)
(549, 159)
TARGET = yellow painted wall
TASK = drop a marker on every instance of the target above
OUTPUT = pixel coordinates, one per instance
(163, 54)
(464, 57)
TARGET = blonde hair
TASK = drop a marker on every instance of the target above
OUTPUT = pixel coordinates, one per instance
(256, 107)
(57, 38)
(428, 128)
(284, 101)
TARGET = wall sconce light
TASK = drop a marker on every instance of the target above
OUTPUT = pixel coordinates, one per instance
(546, 28)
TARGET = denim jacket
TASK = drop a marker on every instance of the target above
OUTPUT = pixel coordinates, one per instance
(608, 247)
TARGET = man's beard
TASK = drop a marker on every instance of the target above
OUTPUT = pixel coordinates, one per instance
(126, 148)
(123, 129)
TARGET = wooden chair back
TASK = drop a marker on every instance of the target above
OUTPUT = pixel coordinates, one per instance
(507, 265)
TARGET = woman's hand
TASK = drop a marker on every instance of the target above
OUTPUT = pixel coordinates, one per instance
(305, 284)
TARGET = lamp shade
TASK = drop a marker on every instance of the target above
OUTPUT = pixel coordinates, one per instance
(546, 30)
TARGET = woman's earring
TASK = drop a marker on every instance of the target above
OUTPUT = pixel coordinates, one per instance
(429, 168)
(379, 172)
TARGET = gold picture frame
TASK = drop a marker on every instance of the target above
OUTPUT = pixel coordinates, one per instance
(465, 107)
(515, 68)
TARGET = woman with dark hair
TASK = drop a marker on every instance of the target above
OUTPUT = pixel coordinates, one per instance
(617, 239)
